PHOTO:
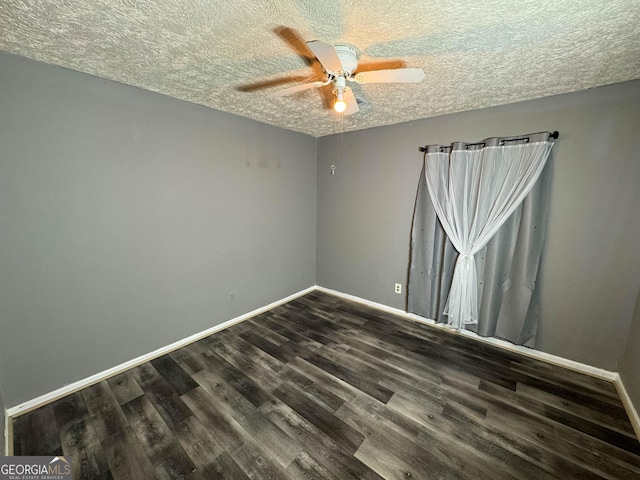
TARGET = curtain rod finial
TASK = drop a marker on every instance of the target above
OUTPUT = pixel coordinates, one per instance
(555, 134)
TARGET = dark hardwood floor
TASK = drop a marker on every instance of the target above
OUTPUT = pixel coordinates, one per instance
(322, 388)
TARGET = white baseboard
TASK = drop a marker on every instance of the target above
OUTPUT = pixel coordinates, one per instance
(8, 446)
(634, 417)
(42, 400)
(537, 354)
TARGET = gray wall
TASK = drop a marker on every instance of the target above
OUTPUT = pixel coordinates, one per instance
(630, 365)
(591, 264)
(127, 218)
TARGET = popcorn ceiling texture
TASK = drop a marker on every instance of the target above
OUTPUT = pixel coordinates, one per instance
(475, 54)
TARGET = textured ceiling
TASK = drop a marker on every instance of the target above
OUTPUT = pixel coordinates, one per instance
(229, 54)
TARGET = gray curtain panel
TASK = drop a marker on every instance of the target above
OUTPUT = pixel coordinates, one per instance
(508, 267)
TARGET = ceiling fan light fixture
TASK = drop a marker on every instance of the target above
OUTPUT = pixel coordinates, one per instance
(339, 63)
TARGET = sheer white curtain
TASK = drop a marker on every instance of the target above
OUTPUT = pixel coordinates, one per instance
(474, 189)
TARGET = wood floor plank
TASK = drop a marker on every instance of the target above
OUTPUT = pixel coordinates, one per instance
(255, 325)
(226, 429)
(37, 433)
(318, 394)
(489, 459)
(352, 378)
(268, 347)
(175, 376)
(326, 388)
(331, 425)
(373, 347)
(387, 347)
(291, 330)
(545, 435)
(124, 387)
(336, 386)
(71, 413)
(190, 357)
(371, 418)
(126, 457)
(262, 368)
(363, 412)
(420, 409)
(105, 412)
(223, 467)
(607, 418)
(368, 369)
(250, 389)
(316, 443)
(280, 446)
(395, 369)
(304, 467)
(423, 460)
(567, 392)
(158, 441)
(257, 463)
(548, 461)
(503, 462)
(198, 442)
(608, 435)
(564, 377)
(512, 410)
(452, 346)
(243, 355)
(78, 438)
(164, 398)
(384, 463)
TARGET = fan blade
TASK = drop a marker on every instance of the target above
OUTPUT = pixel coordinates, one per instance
(368, 65)
(399, 75)
(252, 87)
(350, 99)
(326, 55)
(295, 42)
(295, 89)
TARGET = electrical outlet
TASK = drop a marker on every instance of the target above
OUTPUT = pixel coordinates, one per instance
(232, 296)
(398, 288)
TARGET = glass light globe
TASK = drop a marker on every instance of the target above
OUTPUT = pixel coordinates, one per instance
(340, 106)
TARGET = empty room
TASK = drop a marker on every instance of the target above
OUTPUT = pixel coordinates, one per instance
(320, 239)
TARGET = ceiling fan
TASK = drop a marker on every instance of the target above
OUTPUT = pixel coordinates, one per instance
(339, 64)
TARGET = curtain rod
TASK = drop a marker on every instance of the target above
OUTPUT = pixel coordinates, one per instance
(555, 134)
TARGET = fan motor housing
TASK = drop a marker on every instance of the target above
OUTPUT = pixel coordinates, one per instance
(348, 55)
